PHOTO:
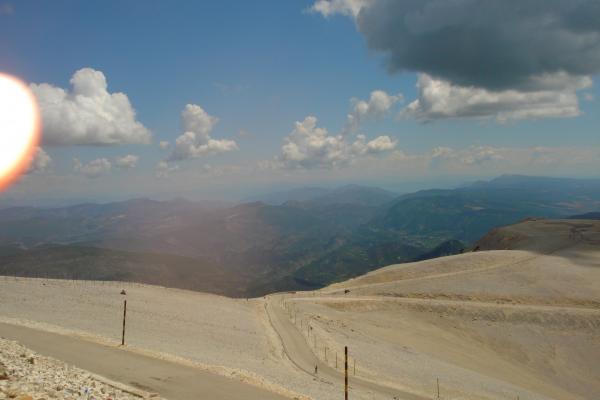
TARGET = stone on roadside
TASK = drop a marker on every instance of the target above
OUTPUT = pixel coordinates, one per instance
(3, 373)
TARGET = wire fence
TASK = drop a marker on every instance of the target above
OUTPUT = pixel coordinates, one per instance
(333, 356)
(327, 354)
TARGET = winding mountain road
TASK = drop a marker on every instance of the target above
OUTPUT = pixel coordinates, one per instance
(170, 380)
(299, 352)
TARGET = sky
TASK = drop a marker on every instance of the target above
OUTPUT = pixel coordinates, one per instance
(227, 99)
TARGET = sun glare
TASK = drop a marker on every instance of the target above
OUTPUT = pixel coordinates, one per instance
(19, 129)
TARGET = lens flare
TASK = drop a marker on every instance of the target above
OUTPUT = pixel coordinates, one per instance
(19, 129)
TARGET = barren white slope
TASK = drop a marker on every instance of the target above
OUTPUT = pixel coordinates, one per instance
(231, 337)
(489, 325)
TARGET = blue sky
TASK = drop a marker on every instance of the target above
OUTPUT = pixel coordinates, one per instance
(259, 67)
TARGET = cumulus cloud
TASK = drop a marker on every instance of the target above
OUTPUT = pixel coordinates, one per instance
(40, 162)
(344, 7)
(470, 156)
(163, 144)
(87, 114)
(439, 99)
(164, 169)
(196, 141)
(491, 159)
(92, 169)
(378, 104)
(485, 160)
(309, 146)
(484, 59)
(127, 162)
(379, 145)
(496, 45)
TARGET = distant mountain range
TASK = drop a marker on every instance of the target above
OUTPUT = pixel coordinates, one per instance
(280, 197)
(348, 194)
(590, 215)
(306, 239)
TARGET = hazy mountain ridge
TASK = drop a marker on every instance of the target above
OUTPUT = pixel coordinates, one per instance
(284, 196)
(590, 215)
(347, 194)
(92, 263)
(467, 213)
(298, 244)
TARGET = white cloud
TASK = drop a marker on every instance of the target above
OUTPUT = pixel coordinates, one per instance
(470, 156)
(163, 144)
(164, 169)
(196, 141)
(493, 159)
(438, 99)
(349, 8)
(380, 144)
(94, 168)
(88, 114)
(127, 162)
(309, 146)
(484, 160)
(378, 105)
(40, 162)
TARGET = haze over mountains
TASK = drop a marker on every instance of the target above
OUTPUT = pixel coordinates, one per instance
(348, 194)
(299, 239)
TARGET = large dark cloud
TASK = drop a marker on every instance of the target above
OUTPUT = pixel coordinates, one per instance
(486, 43)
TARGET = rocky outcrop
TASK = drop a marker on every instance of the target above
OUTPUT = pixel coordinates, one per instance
(25, 375)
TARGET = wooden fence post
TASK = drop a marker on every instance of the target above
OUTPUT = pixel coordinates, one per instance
(124, 316)
(345, 372)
